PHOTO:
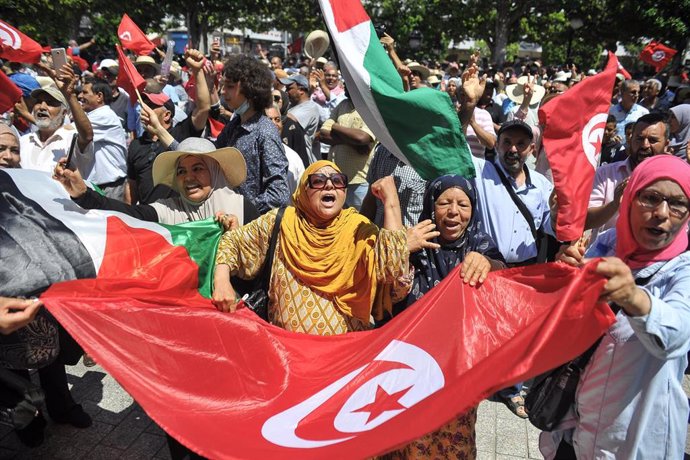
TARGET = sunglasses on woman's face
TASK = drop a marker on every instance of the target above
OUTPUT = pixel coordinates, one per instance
(318, 181)
(276, 98)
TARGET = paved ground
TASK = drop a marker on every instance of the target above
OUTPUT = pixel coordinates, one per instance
(121, 429)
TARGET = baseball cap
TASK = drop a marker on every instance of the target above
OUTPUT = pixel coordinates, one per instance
(297, 78)
(159, 100)
(51, 91)
(516, 124)
(25, 82)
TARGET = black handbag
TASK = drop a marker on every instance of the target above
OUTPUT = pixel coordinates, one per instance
(34, 346)
(552, 393)
(19, 400)
(257, 299)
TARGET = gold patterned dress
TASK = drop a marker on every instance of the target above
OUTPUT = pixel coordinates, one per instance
(293, 305)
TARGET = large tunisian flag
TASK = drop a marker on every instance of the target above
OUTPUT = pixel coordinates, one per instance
(232, 386)
(17, 47)
(574, 124)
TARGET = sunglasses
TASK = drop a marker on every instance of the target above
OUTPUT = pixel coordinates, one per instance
(277, 98)
(318, 181)
(652, 200)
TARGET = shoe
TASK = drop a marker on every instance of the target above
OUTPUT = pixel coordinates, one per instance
(516, 404)
(32, 435)
(75, 417)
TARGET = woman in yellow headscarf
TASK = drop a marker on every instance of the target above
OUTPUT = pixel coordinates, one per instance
(332, 269)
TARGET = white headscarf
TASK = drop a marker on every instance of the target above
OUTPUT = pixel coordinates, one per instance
(180, 209)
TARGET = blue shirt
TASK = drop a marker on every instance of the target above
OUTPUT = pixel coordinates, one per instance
(623, 117)
(267, 166)
(502, 219)
(630, 401)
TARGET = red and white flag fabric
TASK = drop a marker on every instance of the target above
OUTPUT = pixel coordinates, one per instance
(657, 55)
(231, 386)
(132, 38)
(129, 77)
(10, 93)
(623, 71)
(574, 124)
(17, 47)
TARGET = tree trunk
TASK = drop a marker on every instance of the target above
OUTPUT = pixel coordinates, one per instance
(498, 53)
(192, 20)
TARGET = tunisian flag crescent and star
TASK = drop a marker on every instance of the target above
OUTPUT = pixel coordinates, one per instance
(132, 38)
(231, 386)
(17, 47)
(574, 124)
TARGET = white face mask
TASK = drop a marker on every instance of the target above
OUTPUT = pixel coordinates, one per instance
(242, 108)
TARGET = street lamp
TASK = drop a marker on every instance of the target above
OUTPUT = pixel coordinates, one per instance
(415, 41)
(575, 23)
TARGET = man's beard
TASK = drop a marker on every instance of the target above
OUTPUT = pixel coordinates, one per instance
(52, 123)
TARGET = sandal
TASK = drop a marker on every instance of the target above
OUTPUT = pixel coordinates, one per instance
(516, 404)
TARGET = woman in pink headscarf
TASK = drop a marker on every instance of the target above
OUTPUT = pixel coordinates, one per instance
(629, 401)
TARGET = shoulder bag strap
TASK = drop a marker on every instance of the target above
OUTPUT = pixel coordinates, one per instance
(520, 205)
(268, 263)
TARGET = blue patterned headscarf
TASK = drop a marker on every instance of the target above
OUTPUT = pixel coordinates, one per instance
(432, 265)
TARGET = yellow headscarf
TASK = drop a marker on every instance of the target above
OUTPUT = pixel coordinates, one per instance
(338, 260)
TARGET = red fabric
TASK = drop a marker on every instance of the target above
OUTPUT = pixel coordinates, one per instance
(652, 169)
(17, 47)
(232, 386)
(624, 72)
(80, 61)
(216, 127)
(132, 38)
(10, 93)
(128, 77)
(296, 46)
(348, 13)
(657, 55)
(574, 124)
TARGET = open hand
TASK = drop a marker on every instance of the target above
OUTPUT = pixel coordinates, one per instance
(475, 268)
(419, 236)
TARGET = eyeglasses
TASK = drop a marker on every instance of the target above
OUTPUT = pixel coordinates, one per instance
(651, 200)
(318, 181)
(277, 98)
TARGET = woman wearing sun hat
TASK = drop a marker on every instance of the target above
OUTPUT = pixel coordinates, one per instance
(202, 175)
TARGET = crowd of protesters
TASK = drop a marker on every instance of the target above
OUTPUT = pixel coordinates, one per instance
(256, 142)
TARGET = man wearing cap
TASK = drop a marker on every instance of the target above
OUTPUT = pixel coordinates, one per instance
(109, 139)
(513, 202)
(160, 134)
(119, 103)
(303, 110)
(42, 149)
(627, 110)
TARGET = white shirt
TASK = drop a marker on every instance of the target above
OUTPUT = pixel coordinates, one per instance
(483, 119)
(606, 180)
(43, 156)
(110, 146)
(295, 168)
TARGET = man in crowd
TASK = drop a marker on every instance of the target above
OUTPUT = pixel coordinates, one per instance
(303, 110)
(109, 139)
(650, 136)
(120, 99)
(295, 163)
(352, 144)
(160, 134)
(627, 110)
(52, 140)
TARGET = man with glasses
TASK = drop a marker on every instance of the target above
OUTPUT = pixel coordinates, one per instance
(650, 136)
(628, 110)
(305, 111)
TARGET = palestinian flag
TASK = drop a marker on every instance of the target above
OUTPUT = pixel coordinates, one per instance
(420, 127)
(232, 386)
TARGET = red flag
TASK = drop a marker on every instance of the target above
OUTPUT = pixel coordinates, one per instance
(657, 55)
(285, 395)
(10, 93)
(128, 77)
(216, 127)
(17, 47)
(132, 38)
(573, 145)
(624, 72)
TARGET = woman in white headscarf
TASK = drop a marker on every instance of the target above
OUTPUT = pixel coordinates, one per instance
(680, 129)
(202, 175)
(9, 147)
